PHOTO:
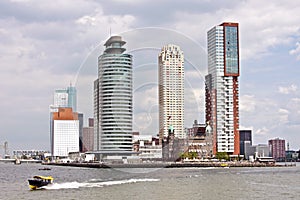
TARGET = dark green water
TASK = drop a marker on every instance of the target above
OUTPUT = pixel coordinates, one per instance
(184, 183)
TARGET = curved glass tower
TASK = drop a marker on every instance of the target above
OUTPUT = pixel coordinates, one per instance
(113, 98)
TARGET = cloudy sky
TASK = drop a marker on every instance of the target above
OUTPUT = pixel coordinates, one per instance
(46, 45)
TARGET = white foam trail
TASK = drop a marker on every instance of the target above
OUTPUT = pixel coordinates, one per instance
(74, 185)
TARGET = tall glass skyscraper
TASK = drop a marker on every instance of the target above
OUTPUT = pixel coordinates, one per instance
(222, 87)
(113, 99)
(171, 91)
(64, 98)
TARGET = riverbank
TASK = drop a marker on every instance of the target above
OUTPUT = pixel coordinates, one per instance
(171, 165)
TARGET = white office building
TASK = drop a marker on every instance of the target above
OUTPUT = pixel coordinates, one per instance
(64, 132)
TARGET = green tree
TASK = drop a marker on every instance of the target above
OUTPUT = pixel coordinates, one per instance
(222, 156)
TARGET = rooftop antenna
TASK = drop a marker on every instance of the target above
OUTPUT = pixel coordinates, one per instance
(109, 31)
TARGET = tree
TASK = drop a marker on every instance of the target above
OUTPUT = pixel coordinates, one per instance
(222, 156)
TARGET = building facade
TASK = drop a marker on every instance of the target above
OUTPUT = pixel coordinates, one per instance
(64, 132)
(113, 99)
(171, 91)
(245, 141)
(88, 136)
(222, 87)
(64, 98)
(277, 149)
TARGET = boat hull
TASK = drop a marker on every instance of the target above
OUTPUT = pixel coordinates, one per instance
(35, 184)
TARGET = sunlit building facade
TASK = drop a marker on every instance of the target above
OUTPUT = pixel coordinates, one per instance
(171, 91)
(64, 132)
(222, 87)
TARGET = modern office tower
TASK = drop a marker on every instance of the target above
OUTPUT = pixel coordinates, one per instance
(222, 87)
(65, 98)
(113, 98)
(245, 141)
(64, 132)
(277, 149)
(88, 136)
(171, 91)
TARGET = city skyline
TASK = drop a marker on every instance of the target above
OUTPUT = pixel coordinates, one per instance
(42, 51)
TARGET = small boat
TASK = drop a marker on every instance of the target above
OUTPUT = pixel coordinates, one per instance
(45, 168)
(39, 181)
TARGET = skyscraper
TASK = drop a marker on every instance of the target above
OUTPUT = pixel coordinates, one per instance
(171, 91)
(64, 98)
(222, 87)
(113, 98)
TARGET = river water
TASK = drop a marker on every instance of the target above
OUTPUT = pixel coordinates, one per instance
(172, 183)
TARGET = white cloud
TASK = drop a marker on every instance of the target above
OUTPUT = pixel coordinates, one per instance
(262, 131)
(283, 116)
(247, 103)
(287, 90)
(263, 25)
(296, 51)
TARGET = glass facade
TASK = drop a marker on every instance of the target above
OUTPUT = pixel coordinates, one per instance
(113, 98)
(231, 50)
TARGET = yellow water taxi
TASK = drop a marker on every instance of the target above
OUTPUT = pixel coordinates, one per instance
(39, 181)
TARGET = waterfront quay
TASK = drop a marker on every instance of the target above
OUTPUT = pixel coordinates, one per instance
(169, 164)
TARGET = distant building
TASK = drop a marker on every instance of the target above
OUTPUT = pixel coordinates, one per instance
(171, 91)
(147, 146)
(64, 98)
(200, 140)
(30, 154)
(257, 151)
(173, 147)
(64, 132)
(88, 136)
(222, 87)
(196, 130)
(291, 156)
(245, 141)
(113, 100)
(277, 149)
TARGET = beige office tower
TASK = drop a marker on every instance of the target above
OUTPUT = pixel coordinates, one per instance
(171, 92)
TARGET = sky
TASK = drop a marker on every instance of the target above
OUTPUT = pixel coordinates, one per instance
(47, 45)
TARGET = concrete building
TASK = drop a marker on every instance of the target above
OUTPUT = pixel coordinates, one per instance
(88, 136)
(113, 99)
(222, 87)
(257, 151)
(277, 149)
(171, 91)
(64, 132)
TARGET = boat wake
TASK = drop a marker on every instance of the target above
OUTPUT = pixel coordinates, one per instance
(74, 185)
